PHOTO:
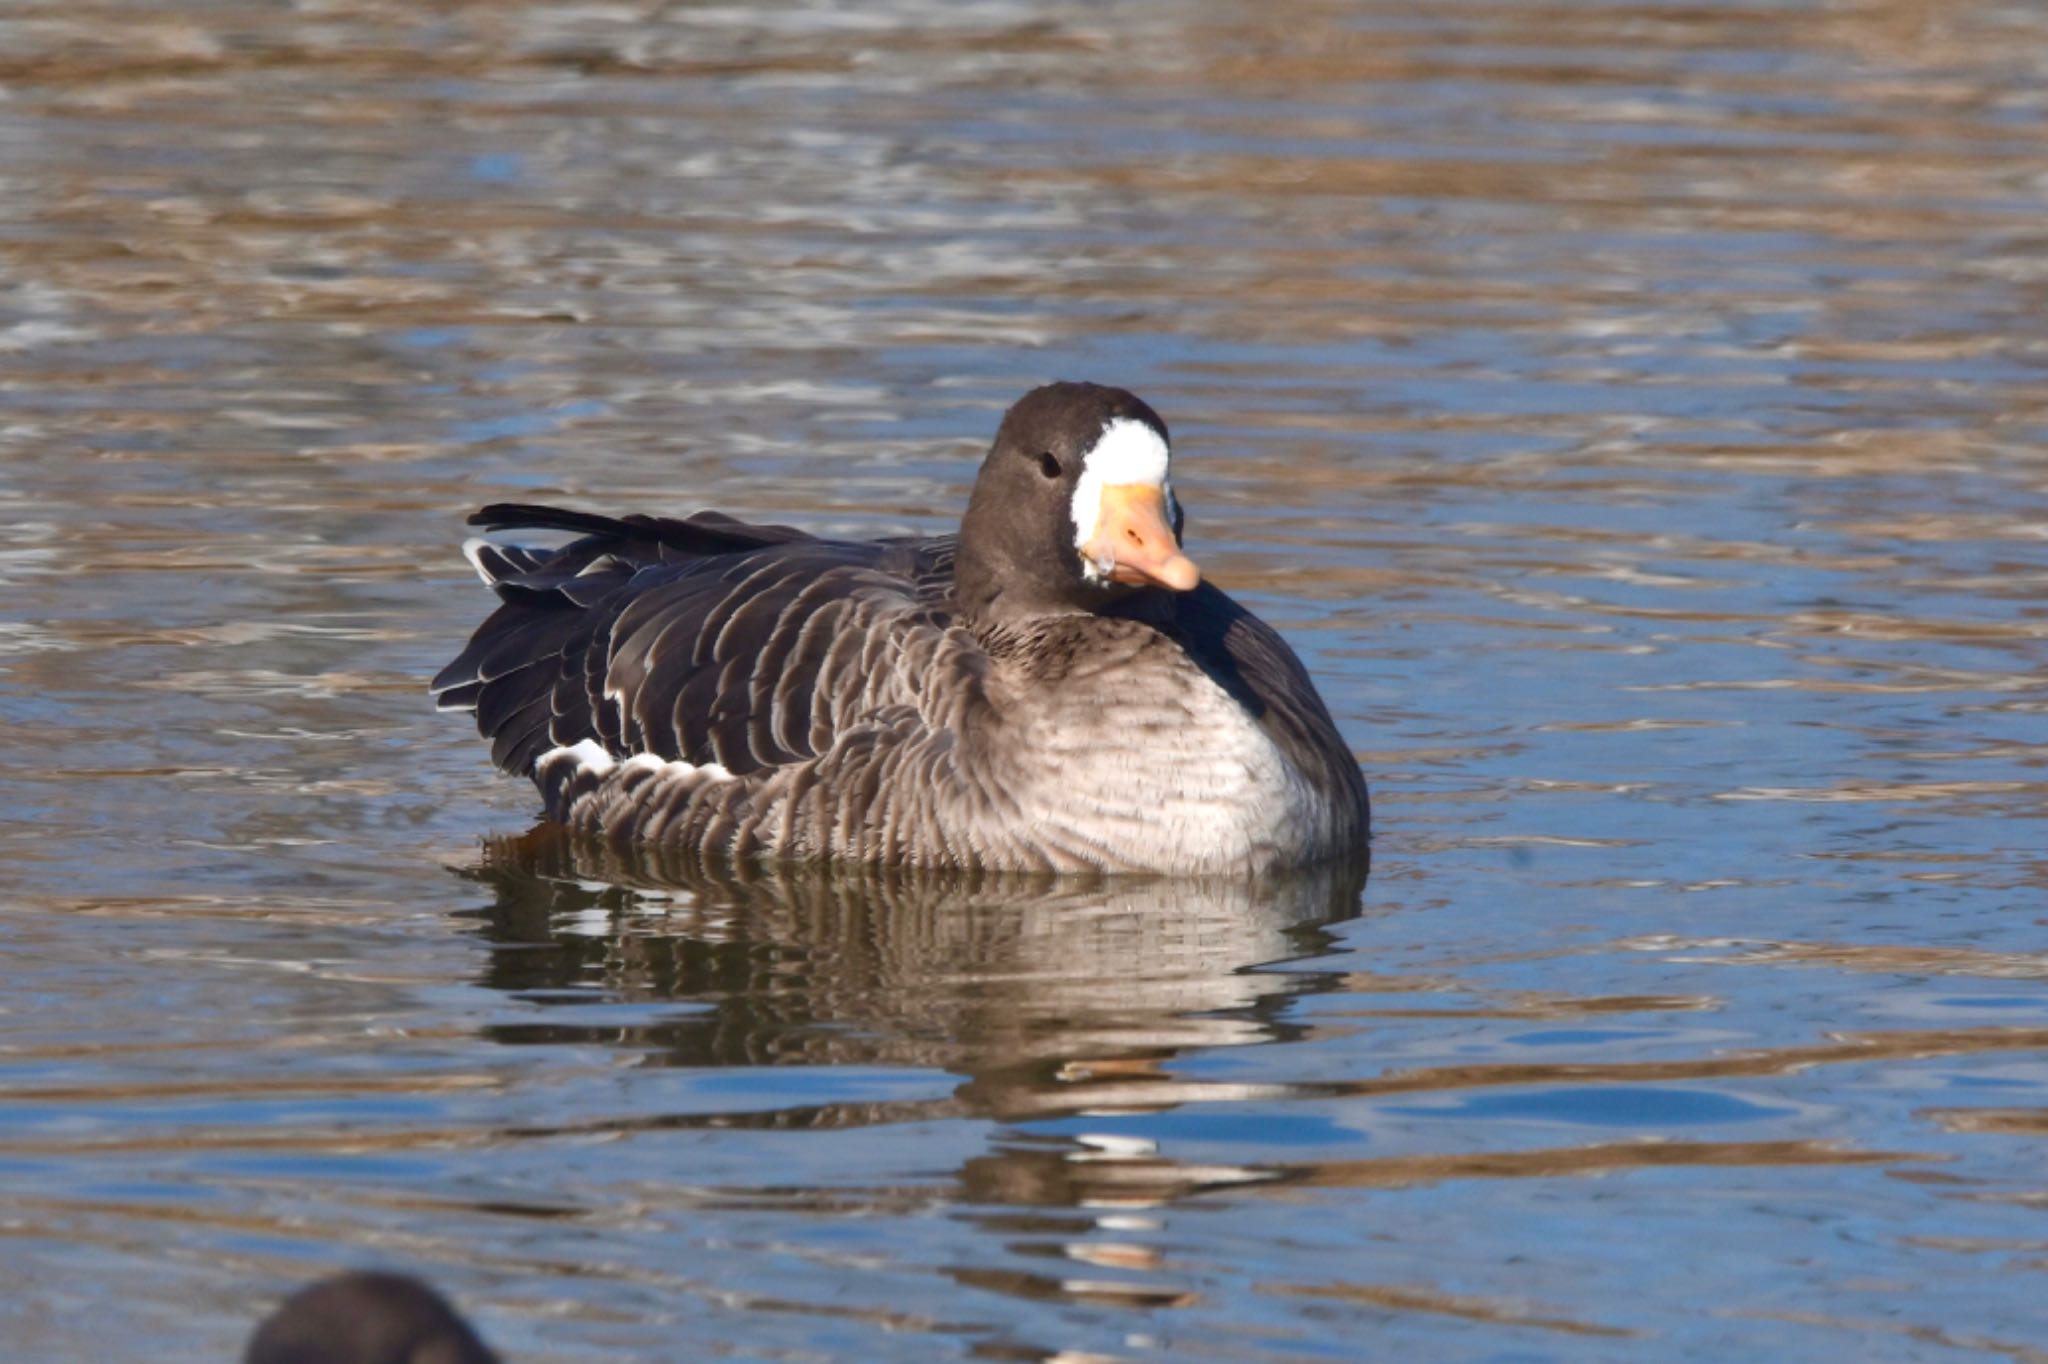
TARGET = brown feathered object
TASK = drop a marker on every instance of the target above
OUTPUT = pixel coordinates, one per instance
(1052, 689)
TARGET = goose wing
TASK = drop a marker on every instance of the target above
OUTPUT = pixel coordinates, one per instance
(705, 640)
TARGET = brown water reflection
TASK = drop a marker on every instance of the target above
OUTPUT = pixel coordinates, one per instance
(1633, 412)
(1050, 995)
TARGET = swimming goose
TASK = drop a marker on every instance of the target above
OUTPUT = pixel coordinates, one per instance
(1053, 689)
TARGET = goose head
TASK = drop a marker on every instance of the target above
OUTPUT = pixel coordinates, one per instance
(1073, 509)
(366, 1317)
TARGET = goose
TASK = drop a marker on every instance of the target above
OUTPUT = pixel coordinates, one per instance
(1053, 689)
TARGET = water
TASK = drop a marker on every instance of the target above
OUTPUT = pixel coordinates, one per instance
(1634, 413)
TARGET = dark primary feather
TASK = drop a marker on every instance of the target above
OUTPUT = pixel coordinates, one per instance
(706, 532)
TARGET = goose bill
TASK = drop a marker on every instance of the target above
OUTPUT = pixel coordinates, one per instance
(1135, 542)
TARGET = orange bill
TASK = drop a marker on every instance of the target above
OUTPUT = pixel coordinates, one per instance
(1133, 537)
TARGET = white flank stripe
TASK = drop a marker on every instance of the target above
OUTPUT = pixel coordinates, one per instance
(587, 754)
(663, 768)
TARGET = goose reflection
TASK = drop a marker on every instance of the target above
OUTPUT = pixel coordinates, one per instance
(1047, 995)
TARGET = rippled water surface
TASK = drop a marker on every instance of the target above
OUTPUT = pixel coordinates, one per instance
(1634, 412)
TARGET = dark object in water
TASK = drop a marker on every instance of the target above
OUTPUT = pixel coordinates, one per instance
(365, 1317)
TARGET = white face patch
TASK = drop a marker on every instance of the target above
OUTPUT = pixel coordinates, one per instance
(1127, 451)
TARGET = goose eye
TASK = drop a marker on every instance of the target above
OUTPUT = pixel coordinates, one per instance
(1048, 465)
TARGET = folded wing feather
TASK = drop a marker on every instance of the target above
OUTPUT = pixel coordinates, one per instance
(705, 640)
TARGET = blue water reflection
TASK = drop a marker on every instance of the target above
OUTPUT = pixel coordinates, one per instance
(1632, 411)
